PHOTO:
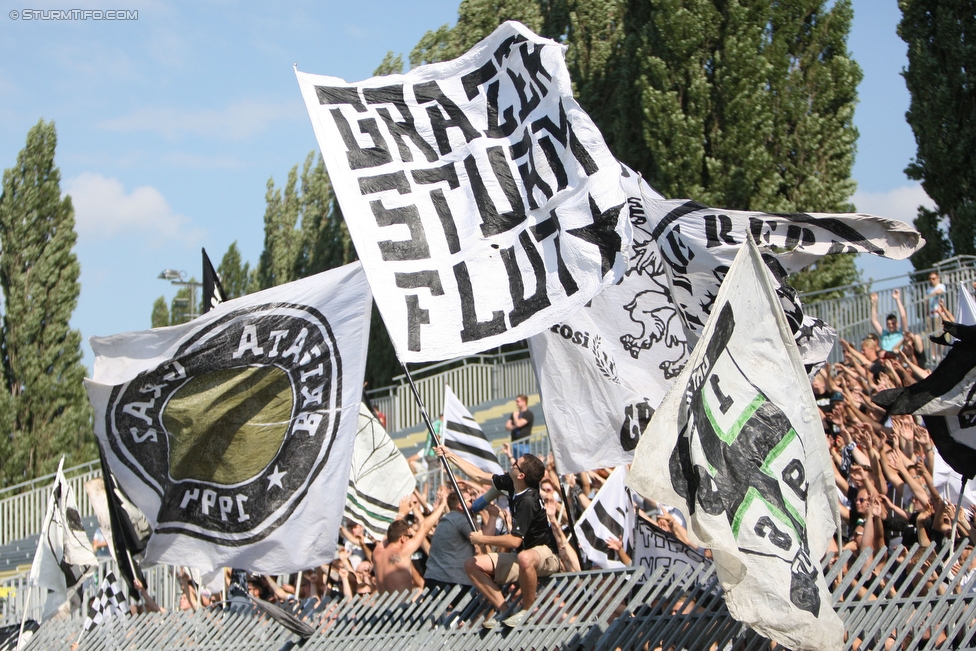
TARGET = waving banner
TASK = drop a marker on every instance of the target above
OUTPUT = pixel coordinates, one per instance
(229, 431)
(380, 477)
(462, 434)
(738, 444)
(656, 548)
(64, 557)
(699, 243)
(610, 515)
(623, 350)
(482, 200)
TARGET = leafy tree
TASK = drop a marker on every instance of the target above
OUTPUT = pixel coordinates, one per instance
(234, 276)
(941, 78)
(44, 406)
(180, 307)
(160, 313)
(390, 65)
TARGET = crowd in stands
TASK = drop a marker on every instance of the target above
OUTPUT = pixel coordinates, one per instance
(885, 470)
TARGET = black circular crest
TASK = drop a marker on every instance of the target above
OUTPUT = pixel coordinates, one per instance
(233, 429)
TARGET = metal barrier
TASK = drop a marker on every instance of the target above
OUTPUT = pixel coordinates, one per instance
(22, 507)
(474, 380)
(673, 608)
(851, 314)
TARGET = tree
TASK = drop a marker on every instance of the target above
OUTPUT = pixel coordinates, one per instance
(45, 405)
(941, 79)
(160, 313)
(234, 276)
(745, 104)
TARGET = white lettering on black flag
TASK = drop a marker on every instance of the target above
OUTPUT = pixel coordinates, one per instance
(623, 350)
(698, 244)
(228, 431)
(482, 200)
(737, 442)
(462, 434)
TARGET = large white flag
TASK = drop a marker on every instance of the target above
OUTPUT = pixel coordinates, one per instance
(738, 444)
(622, 350)
(610, 514)
(698, 244)
(482, 200)
(463, 434)
(380, 477)
(64, 556)
(234, 433)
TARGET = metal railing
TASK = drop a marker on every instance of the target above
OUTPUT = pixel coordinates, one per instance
(22, 507)
(850, 314)
(474, 380)
(674, 607)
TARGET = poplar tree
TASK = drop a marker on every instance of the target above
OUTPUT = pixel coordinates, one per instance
(44, 407)
(234, 275)
(941, 79)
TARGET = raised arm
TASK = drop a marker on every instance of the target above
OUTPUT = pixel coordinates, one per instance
(874, 314)
(474, 472)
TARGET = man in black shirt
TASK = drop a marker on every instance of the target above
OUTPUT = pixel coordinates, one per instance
(519, 425)
(534, 551)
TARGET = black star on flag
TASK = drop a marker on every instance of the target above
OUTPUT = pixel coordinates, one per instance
(602, 232)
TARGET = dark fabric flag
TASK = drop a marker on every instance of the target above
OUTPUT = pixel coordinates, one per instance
(127, 543)
(213, 291)
(946, 400)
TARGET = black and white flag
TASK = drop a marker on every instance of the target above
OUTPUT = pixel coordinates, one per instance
(738, 445)
(610, 514)
(379, 479)
(482, 200)
(228, 431)
(623, 351)
(698, 244)
(213, 291)
(946, 400)
(108, 602)
(655, 548)
(463, 435)
(64, 556)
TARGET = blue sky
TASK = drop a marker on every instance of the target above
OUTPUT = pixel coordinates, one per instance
(169, 126)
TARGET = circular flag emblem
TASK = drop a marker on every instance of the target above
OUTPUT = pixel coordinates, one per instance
(232, 430)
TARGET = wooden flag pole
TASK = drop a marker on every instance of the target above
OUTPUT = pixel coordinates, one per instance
(437, 442)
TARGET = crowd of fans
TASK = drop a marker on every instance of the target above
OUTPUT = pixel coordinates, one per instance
(884, 469)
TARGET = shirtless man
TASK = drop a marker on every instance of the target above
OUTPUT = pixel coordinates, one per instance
(391, 558)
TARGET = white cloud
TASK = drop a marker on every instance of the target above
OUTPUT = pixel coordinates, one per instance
(236, 122)
(103, 209)
(900, 203)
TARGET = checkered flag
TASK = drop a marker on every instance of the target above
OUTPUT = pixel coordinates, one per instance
(109, 599)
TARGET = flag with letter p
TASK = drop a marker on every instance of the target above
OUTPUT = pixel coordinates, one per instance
(482, 200)
(234, 433)
(738, 445)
